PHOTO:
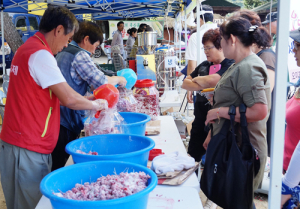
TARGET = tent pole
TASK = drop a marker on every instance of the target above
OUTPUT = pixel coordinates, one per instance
(185, 33)
(271, 8)
(198, 32)
(2, 34)
(180, 29)
(279, 102)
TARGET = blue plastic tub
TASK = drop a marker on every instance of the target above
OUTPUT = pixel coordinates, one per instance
(136, 123)
(65, 179)
(116, 147)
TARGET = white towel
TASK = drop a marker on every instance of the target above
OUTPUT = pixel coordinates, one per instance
(172, 162)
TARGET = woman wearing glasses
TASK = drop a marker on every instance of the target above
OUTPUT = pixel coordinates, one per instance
(200, 79)
(290, 181)
(245, 82)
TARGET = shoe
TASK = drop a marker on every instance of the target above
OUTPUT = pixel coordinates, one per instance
(210, 205)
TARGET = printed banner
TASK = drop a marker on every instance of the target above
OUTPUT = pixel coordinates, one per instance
(157, 26)
(294, 70)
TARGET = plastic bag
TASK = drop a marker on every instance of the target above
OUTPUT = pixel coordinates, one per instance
(109, 121)
(127, 102)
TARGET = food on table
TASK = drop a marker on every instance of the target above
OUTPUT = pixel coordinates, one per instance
(127, 102)
(148, 98)
(108, 187)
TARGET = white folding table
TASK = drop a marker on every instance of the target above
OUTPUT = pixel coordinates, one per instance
(181, 196)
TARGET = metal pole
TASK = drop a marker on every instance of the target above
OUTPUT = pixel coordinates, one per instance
(198, 32)
(271, 8)
(185, 33)
(175, 31)
(180, 29)
(2, 33)
(279, 104)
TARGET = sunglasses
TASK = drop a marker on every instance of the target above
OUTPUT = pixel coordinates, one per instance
(296, 45)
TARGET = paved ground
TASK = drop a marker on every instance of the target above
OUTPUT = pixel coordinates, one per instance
(261, 201)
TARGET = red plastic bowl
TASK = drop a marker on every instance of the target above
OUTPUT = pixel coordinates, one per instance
(109, 93)
(154, 153)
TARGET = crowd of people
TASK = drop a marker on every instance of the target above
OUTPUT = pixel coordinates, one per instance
(245, 49)
(50, 77)
(130, 49)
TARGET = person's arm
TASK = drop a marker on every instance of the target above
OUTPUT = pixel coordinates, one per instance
(114, 40)
(71, 99)
(255, 113)
(207, 140)
(292, 176)
(191, 66)
(86, 69)
(208, 81)
(272, 79)
(189, 85)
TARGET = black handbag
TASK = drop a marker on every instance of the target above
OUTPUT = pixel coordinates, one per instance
(229, 170)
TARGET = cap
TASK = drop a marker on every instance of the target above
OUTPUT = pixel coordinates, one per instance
(273, 18)
(295, 35)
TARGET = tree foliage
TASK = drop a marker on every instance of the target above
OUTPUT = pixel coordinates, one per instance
(250, 4)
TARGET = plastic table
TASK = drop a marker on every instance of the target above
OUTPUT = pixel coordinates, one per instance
(182, 196)
(159, 198)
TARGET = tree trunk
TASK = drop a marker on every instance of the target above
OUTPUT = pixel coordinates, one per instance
(11, 34)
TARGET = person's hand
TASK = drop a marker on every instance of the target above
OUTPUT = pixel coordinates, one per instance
(210, 98)
(90, 97)
(190, 97)
(100, 104)
(211, 116)
(122, 81)
(284, 199)
(206, 142)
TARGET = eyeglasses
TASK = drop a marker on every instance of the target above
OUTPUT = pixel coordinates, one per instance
(208, 48)
(296, 45)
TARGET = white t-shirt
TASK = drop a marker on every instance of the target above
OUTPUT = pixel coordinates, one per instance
(44, 70)
(191, 51)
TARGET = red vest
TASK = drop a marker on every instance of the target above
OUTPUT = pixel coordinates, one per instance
(32, 116)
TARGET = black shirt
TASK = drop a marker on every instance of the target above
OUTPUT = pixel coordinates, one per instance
(204, 66)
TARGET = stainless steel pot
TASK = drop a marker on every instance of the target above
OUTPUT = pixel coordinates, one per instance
(147, 42)
(165, 77)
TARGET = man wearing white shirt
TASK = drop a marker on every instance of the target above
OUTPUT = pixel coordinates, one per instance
(206, 23)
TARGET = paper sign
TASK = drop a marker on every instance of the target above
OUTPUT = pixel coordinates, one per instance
(170, 62)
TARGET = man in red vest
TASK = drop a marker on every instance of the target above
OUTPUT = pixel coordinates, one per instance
(32, 112)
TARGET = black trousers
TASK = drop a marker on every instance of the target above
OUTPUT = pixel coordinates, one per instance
(59, 155)
(198, 132)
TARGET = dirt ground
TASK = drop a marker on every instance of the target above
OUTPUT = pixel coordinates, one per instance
(2, 201)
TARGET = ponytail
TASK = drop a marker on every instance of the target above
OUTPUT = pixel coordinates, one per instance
(131, 30)
(245, 32)
(261, 37)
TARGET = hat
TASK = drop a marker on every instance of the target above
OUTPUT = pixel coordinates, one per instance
(295, 35)
(273, 18)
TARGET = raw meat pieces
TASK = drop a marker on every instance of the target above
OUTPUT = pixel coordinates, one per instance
(108, 187)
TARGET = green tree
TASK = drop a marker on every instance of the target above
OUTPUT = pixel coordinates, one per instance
(250, 4)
